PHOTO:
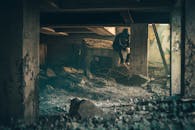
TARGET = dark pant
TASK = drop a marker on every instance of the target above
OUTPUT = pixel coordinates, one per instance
(121, 57)
(118, 49)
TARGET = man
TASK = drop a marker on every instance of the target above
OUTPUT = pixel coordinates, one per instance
(121, 44)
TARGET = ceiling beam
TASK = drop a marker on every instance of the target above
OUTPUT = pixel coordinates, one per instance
(128, 19)
(80, 18)
(114, 4)
(100, 31)
(50, 31)
(73, 30)
(101, 19)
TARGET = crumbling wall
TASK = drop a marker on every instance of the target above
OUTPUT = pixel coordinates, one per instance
(66, 51)
(94, 48)
(190, 49)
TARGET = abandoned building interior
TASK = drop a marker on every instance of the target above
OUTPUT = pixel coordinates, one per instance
(59, 69)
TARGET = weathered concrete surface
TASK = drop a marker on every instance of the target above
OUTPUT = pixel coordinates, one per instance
(189, 49)
(19, 61)
(176, 49)
(68, 49)
(139, 47)
(91, 49)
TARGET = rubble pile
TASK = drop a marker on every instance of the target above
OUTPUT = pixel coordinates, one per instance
(69, 100)
(151, 114)
(56, 92)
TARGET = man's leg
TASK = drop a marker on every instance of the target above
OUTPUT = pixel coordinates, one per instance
(128, 59)
(128, 56)
(121, 57)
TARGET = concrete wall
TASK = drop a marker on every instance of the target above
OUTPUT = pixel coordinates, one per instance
(189, 49)
(19, 60)
(66, 51)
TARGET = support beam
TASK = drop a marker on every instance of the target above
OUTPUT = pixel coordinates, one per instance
(176, 50)
(161, 50)
(19, 56)
(139, 49)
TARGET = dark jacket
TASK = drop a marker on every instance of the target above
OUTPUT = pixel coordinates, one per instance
(121, 42)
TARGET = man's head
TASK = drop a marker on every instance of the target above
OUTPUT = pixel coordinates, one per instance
(125, 31)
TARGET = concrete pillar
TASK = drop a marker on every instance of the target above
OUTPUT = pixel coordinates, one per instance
(19, 61)
(176, 49)
(139, 49)
(189, 49)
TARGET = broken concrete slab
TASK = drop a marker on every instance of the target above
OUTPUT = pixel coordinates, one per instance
(84, 109)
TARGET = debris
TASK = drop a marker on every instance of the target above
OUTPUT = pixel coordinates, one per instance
(72, 70)
(50, 73)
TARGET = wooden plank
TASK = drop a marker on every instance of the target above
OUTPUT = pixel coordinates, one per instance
(50, 31)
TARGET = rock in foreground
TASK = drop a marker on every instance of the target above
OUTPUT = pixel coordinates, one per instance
(84, 109)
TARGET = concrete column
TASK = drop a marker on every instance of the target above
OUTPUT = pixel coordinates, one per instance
(189, 49)
(139, 49)
(176, 49)
(19, 61)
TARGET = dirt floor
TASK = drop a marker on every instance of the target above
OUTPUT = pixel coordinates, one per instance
(57, 91)
(144, 107)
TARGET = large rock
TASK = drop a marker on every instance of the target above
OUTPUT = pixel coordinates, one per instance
(84, 109)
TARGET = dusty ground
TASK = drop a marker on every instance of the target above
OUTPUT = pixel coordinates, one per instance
(106, 95)
(144, 107)
(55, 94)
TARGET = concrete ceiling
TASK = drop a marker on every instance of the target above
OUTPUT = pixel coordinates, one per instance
(61, 14)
